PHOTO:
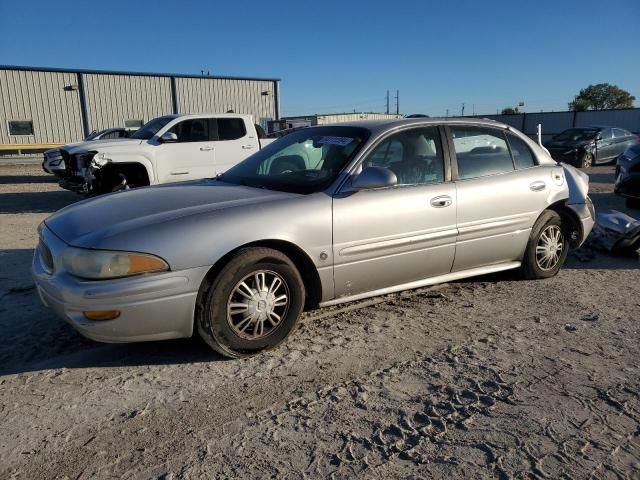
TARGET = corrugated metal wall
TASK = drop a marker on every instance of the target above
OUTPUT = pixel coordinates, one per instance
(207, 95)
(112, 99)
(555, 122)
(40, 97)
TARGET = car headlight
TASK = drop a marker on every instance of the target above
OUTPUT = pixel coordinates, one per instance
(104, 264)
(99, 160)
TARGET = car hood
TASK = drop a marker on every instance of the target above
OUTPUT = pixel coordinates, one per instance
(102, 145)
(98, 218)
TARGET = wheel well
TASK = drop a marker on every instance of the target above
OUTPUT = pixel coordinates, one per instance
(571, 219)
(135, 173)
(308, 271)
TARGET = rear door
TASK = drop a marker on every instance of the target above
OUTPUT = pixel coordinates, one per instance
(622, 139)
(500, 193)
(191, 157)
(234, 141)
(606, 147)
(391, 236)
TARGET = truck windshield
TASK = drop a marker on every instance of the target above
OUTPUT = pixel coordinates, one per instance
(149, 129)
(305, 161)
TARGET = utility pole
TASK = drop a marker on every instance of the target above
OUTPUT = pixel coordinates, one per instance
(397, 102)
(462, 115)
(447, 115)
(387, 102)
(473, 108)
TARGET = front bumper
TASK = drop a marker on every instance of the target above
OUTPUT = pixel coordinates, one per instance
(587, 218)
(152, 307)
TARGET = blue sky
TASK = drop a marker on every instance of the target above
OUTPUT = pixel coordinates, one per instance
(340, 56)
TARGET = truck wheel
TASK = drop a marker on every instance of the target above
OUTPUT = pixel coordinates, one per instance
(547, 247)
(253, 303)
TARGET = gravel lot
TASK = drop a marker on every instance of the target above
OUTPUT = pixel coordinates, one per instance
(489, 377)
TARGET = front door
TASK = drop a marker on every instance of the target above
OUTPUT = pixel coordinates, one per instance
(391, 236)
(501, 192)
(192, 156)
(605, 146)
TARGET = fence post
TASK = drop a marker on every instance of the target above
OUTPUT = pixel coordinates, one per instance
(573, 121)
(524, 123)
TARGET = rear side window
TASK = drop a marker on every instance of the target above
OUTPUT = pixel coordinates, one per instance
(480, 152)
(521, 153)
(619, 133)
(230, 128)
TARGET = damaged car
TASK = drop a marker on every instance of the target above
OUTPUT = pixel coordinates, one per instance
(587, 146)
(324, 215)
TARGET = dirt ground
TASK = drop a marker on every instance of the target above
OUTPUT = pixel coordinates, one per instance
(483, 378)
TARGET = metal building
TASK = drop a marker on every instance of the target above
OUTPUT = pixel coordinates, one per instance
(40, 107)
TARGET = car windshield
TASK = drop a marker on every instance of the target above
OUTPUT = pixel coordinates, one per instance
(93, 135)
(149, 129)
(577, 134)
(306, 161)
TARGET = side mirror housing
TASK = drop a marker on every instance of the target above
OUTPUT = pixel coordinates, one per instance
(374, 177)
(169, 137)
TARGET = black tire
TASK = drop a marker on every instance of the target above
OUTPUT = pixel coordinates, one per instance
(632, 203)
(586, 161)
(215, 322)
(532, 267)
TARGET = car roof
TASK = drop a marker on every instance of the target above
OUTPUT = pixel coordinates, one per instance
(378, 126)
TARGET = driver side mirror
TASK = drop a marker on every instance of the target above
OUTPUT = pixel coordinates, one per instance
(169, 137)
(374, 177)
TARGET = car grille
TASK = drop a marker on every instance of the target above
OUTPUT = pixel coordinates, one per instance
(46, 257)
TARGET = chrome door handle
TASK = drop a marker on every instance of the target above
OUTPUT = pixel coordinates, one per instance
(537, 186)
(441, 201)
(247, 147)
(206, 149)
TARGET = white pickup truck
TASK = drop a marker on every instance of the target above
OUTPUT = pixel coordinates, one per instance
(170, 148)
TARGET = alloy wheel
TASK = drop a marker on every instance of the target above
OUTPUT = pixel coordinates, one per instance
(549, 248)
(257, 304)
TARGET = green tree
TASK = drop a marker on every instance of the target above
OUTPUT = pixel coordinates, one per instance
(509, 111)
(600, 97)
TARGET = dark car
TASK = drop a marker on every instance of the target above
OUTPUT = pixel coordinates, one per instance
(587, 146)
(628, 176)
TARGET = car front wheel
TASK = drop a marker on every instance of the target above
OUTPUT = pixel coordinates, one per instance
(547, 247)
(587, 160)
(253, 303)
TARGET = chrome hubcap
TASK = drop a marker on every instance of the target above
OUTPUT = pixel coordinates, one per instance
(549, 248)
(257, 304)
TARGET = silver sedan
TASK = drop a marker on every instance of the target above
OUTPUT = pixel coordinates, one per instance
(324, 215)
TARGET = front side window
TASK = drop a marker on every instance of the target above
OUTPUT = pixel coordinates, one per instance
(20, 127)
(111, 135)
(415, 156)
(480, 152)
(521, 153)
(230, 128)
(194, 130)
(305, 161)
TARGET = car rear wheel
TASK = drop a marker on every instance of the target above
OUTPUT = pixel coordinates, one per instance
(547, 247)
(587, 160)
(253, 304)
